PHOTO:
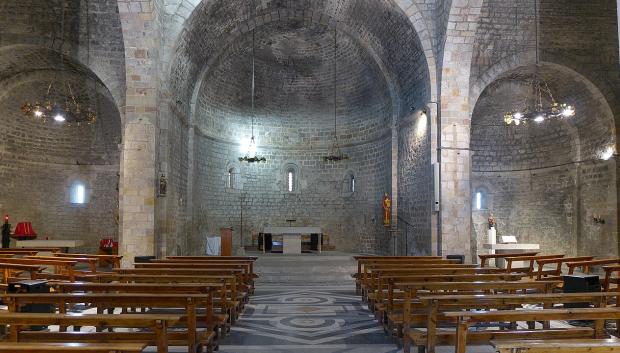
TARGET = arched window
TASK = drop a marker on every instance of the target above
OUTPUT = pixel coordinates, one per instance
(480, 199)
(78, 193)
(352, 184)
(290, 178)
(231, 178)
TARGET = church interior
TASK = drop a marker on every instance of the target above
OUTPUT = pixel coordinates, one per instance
(365, 176)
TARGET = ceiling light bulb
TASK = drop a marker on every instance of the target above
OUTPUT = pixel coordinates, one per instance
(252, 147)
(38, 113)
(518, 115)
(59, 118)
(568, 112)
(539, 119)
(608, 153)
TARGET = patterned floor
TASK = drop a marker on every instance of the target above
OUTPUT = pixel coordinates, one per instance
(307, 319)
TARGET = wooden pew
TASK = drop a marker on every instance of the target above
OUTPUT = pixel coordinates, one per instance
(364, 280)
(531, 259)
(108, 347)
(554, 274)
(63, 269)
(230, 299)
(11, 270)
(412, 290)
(221, 319)
(37, 249)
(91, 262)
(434, 305)
(586, 266)
(607, 345)
(609, 276)
(16, 252)
(247, 269)
(115, 260)
(192, 337)
(158, 323)
(484, 258)
(383, 300)
(465, 319)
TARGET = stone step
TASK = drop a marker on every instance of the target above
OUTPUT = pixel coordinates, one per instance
(329, 269)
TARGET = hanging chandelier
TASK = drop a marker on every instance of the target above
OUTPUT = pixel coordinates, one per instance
(539, 105)
(336, 154)
(60, 104)
(250, 152)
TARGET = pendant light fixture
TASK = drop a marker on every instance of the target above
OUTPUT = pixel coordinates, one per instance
(250, 152)
(336, 154)
(533, 108)
(60, 104)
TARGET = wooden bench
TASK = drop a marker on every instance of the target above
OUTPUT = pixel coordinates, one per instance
(91, 262)
(484, 258)
(412, 290)
(531, 259)
(115, 260)
(37, 249)
(586, 266)
(245, 266)
(230, 299)
(556, 273)
(434, 305)
(9, 271)
(221, 319)
(607, 345)
(157, 323)
(465, 319)
(108, 347)
(63, 269)
(102, 301)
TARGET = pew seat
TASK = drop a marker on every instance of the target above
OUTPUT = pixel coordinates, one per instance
(56, 347)
(557, 346)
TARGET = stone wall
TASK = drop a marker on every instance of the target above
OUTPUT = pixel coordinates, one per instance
(42, 162)
(415, 184)
(545, 182)
(321, 196)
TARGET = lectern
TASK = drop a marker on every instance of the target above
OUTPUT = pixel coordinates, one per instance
(226, 235)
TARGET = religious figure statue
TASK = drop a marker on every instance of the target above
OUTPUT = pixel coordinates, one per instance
(387, 210)
(163, 185)
(6, 233)
(491, 221)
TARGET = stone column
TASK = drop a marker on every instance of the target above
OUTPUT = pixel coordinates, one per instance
(142, 37)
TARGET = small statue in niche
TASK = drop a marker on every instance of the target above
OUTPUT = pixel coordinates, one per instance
(6, 233)
(163, 185)
(491, 220)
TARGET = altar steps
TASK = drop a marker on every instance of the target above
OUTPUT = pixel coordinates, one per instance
(330, 268)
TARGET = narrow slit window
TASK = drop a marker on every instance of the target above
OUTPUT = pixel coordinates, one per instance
(78, 194)
(352, 186)
(231, 178)
(291, 176)
(479, 200)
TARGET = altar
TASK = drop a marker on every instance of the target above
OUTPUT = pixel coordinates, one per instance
(291, 237)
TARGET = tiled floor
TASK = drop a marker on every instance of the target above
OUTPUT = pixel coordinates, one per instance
(307, 319)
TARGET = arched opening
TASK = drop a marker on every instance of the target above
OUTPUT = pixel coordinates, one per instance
(547, 178)
(298, 90)
(71, 188)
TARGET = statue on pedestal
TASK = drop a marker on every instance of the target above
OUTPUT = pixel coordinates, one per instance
(491, 220)
(387, 210)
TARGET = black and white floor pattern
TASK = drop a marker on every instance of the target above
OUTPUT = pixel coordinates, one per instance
(317, 319)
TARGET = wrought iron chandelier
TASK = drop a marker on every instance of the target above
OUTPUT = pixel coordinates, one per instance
(60, 103)
(539, 104)
(336, 154)
(250, 152)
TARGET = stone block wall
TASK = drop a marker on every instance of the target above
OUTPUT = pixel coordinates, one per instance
(42, 162)
(321, 196)
(415, 185)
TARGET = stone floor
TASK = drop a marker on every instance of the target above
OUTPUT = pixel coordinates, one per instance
(307, 303)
